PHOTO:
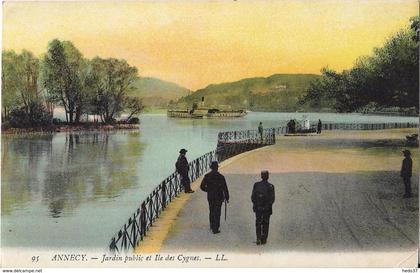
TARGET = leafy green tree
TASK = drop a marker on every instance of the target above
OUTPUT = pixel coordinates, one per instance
(111, 80)
(388, 78)
(414, 26)
(63, 74)
(20, 78)
(10, 82)
(30, 72)
(396, 68)
(134, 105)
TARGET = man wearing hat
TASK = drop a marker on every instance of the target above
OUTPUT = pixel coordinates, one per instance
(215, 185)
(406, 172)
(262, 199)
(183, 168)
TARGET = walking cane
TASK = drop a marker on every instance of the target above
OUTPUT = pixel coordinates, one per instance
(225, 209)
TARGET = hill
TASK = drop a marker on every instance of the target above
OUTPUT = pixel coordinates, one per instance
(278, 92)
(156, 92)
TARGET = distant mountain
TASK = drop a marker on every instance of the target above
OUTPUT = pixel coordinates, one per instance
(279, 92)
(156, 92)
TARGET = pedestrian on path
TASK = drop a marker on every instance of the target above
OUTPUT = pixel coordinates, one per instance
(406, 172)
(261, 130)
(319, 127)
(262, 199)
(291, 126)
(182, 168)
(214, 184)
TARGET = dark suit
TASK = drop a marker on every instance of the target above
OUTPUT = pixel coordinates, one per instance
(183, 168)
(406, 172)
(261, 131)
(262, 199)
(215, 185)
(319, 127)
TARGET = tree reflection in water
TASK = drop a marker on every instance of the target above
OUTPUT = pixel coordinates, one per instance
(65, 170)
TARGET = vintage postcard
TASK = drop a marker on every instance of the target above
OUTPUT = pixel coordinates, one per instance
(210, 134)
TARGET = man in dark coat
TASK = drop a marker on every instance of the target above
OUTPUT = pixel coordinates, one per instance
(406, 172)
(291, 126)
(215, 185)
(261, 130)
(319, 127)
(183, 168)
(262, 200)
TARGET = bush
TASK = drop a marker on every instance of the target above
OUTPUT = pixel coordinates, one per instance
(56, 121)
(111, 121)
(36, 115)
(134, 120)
(5, 125)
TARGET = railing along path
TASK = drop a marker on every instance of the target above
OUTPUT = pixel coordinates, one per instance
(137, 226)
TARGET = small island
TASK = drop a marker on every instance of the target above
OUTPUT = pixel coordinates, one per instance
(91, 94)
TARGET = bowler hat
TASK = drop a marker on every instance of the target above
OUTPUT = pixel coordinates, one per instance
(406, 152)
(182, 151)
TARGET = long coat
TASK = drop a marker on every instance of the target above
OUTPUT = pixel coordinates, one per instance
(406, 168)
(263, 197)
(214, 184)
(182, 165)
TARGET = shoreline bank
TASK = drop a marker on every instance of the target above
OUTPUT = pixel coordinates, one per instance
(70, 128)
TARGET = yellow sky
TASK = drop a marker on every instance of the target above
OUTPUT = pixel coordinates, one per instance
(195, 43)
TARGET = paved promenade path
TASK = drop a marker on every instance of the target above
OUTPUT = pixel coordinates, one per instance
(335, 193)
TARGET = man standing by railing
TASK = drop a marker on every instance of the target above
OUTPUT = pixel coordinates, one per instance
(215, 185)
(183, 168)
(261, 130)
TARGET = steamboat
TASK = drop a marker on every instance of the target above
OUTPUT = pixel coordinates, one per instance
(201, 111)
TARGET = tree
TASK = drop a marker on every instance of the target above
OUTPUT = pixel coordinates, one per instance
(63, 75)
(396, 68)
(325, 89)
(30, 71)
(134, 106)
(20, 78)
(387, 78)
(414, 26)
(111, 81)
(10, 82)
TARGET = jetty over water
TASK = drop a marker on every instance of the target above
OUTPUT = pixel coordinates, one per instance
(338, 200)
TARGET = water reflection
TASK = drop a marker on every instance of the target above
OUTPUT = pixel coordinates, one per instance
(21, 155)
(65, 170)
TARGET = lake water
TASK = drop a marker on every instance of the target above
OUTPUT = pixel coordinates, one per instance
(76, 190)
